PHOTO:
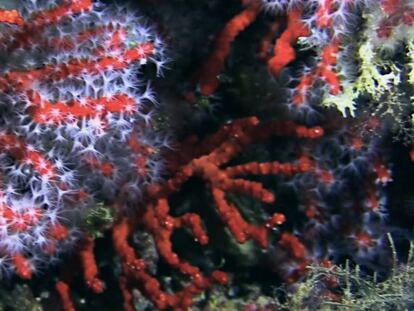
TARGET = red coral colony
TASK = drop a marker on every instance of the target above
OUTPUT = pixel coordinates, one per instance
(105, 169)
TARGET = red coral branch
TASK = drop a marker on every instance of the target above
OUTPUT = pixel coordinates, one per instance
(90, 270)
(397, 12)
(208, 157)
(284, 52)
(323, 71)
(62, 289)
(11, 17)
(207, 76)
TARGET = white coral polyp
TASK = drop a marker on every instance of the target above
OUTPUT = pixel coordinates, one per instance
(51, 153)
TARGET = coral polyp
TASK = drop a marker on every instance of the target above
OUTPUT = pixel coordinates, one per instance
(76, 121)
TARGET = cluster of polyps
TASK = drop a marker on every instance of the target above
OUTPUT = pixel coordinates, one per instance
(75, 121)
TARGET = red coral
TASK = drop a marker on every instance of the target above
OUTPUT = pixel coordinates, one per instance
(397, 12)
(63, 290)
(284, 52)
(11, 17)
(323, 71)
(52, 139)
(207, 77)
(208, 159)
